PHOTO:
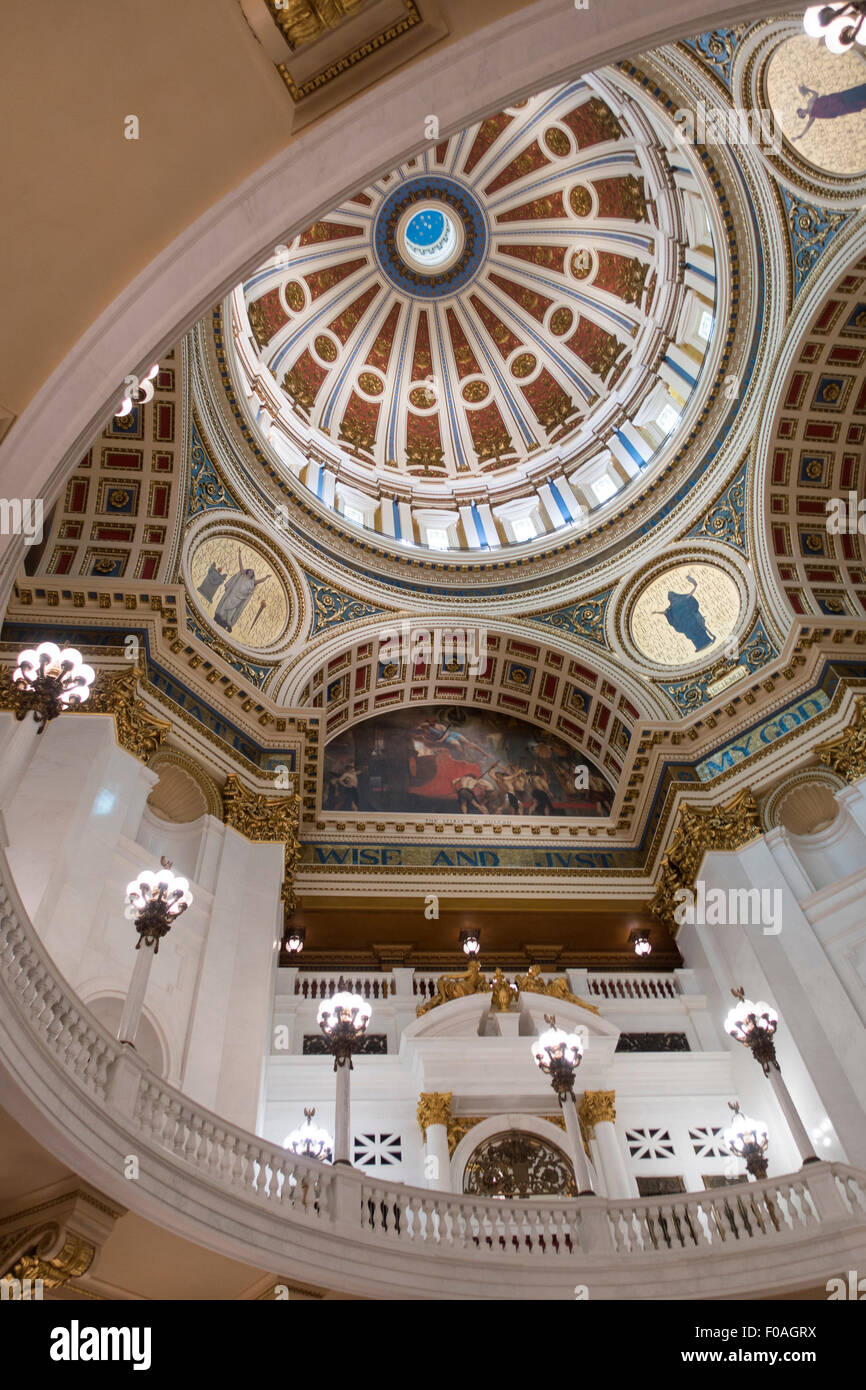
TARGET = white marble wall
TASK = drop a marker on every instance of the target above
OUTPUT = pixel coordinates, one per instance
(78, 831)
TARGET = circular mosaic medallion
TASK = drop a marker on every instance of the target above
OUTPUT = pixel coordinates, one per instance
(819, 100)
(238, 590)
(295, 297)
(685, 614)
(560, 322)
(581, 200)
(581, 263)
(430, 236)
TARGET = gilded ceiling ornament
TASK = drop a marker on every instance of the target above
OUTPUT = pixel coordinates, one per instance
(303, 21)
(561, 321)
(434, 1108)
(846, 753)
(258, 816)
(700, 830)
(557, 141)
(581, 264)
(580, 199)
(597, 1106)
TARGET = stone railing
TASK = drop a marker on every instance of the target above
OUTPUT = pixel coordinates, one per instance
(92, 1102)
(638, 986)
(369, 984)
(313, 984)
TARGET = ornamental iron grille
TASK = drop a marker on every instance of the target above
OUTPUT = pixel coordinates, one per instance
(516, 1164)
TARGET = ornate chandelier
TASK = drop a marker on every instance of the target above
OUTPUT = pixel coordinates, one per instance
(157, 899)
(48, 680)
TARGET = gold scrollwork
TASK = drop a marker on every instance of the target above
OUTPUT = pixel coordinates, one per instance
(846, 753)
(434, 1108)
(699, 830)
(267, 818)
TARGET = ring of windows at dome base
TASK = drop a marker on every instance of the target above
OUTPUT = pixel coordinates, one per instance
(447, 396)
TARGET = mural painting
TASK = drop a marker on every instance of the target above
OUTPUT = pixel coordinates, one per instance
(456, 761)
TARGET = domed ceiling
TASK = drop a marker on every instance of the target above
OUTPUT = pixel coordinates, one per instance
(492, 341)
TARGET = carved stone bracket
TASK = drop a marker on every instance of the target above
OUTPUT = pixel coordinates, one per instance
(56, 1240)
(846, 753)
(699, 830)
(273, 819)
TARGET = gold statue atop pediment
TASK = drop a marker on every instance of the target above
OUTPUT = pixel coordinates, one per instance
(450, 987)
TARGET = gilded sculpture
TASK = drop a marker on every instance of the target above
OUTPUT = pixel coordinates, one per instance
(450, 987)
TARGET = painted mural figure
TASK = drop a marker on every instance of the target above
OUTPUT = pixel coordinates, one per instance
(447, 759)
(237, 594)
(211, 582)
(684, 615)
(830, 106)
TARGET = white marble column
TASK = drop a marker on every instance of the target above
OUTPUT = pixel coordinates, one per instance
(598, 1113)
(578, 1154)
(342, 1115)
(434, 1112)
(131, 1015)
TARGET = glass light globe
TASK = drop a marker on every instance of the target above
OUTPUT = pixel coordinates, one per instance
(816, 17)
(743, 1135)
(556, 1045)
(343, 1007)
(741, 1025)
(310, 1140)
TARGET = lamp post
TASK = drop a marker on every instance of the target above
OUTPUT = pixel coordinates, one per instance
(48, 680)
(558, 1055)
(343, 1019)
(747, 1139)
(754, 1025)
(840, 25)
(154, 902)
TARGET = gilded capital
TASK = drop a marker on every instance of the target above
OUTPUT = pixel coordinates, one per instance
(267, 818)
(136, 729)
(846, 754)
(434, 1108)
(258, 816)
(596, 1106)
(699, 830)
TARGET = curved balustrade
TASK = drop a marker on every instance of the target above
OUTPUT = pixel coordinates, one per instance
(92, 1101)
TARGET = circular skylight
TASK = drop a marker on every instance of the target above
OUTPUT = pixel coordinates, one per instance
(429, 237)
